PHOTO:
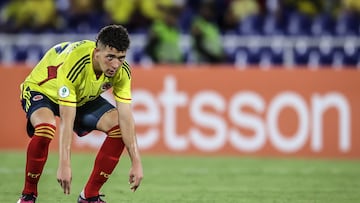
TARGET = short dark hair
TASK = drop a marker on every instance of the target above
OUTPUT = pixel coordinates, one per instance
(115, 36)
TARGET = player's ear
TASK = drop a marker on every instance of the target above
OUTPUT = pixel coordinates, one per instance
(96, 53)
(97, 50)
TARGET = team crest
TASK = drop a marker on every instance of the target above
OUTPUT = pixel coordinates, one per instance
(64, 92)
(106, 86)
(37, 98)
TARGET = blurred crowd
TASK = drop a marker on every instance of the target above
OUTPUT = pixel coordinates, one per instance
(138, 15)
(164, 21)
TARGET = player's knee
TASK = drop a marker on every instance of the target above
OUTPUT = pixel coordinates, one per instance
(108, 121)
(45, 130)
(114, 132)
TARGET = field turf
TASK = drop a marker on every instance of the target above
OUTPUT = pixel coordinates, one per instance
(175, 179)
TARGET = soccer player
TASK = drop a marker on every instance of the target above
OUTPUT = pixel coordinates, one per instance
(67, 82)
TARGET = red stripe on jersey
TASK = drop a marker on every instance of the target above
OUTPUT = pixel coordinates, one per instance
(67, 101)
(129, 99)
(52, 73)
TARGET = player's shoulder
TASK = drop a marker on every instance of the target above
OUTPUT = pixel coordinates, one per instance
(69, 46)
(125, 67)
(124, 70)
(79, 52)
(81, 46)
(126, 64)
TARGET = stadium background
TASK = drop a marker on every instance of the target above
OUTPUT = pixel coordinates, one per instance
(277, 53)
(288, 86)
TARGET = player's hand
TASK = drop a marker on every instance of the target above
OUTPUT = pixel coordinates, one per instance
(64, 178)
(135, 176)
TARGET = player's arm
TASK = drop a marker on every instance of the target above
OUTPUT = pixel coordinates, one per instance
(127, 126)
(67, 117)
(122, 94)
(67, 110)
(67, 82)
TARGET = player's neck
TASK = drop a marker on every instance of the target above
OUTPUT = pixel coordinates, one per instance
(97, 72)
(96, 68)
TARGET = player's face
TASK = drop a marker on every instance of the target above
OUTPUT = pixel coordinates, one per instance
(109, 60)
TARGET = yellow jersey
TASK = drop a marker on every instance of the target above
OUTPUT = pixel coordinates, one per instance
(65, 74)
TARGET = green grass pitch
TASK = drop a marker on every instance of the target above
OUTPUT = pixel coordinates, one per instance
(198, 179)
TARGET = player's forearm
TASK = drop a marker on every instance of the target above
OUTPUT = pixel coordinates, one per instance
(65, 141)
(67, 116)
(129, 138)
(127, 127)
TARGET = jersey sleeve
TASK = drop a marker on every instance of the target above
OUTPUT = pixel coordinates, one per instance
(122, 86)
(67, 83)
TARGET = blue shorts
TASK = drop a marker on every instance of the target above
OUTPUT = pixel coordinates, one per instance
(87, 116)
